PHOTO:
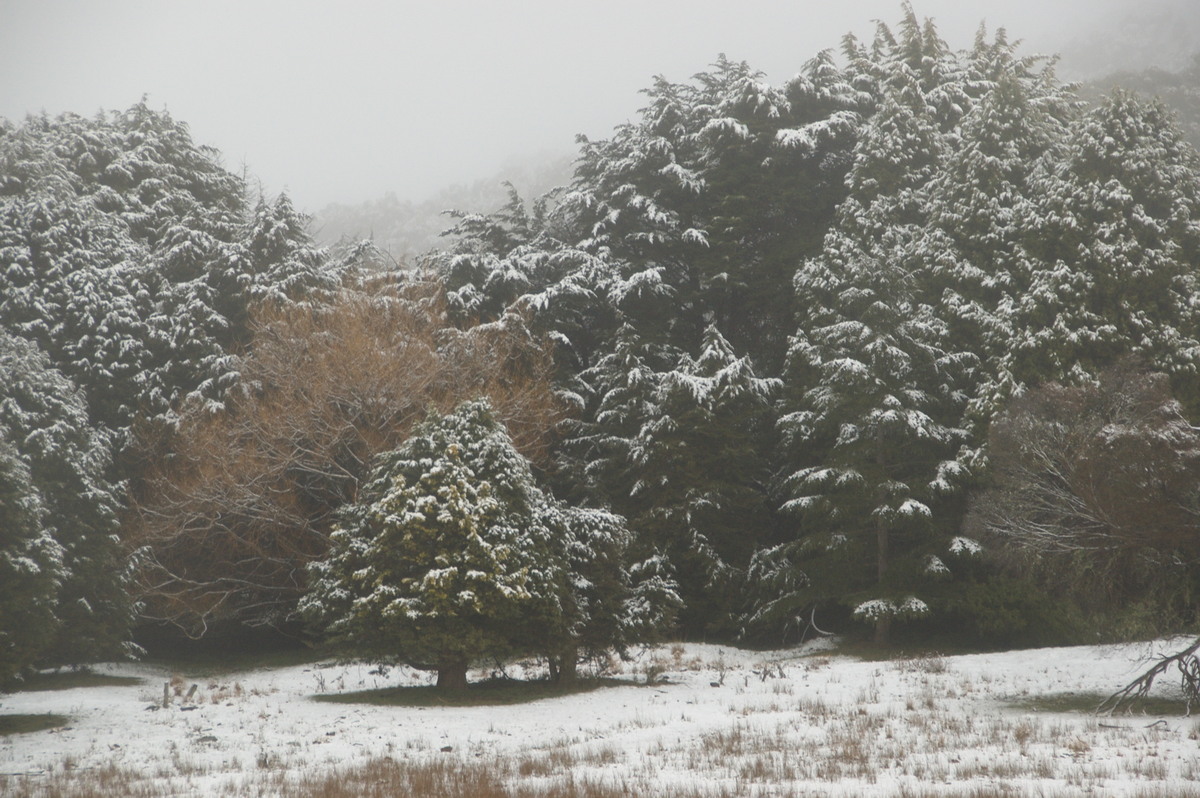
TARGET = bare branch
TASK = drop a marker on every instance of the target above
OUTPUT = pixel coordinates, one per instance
(234, 504)
(1186, 662)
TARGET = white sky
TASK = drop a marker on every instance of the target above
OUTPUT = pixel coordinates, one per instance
(345, 100)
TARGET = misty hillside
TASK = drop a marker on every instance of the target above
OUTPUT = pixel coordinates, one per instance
(1152, 50)
(406, 229)
(1159, 35)
(1180, 90)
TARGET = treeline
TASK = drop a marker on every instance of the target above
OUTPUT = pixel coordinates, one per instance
(788, 317)
(910, 341)
(1180, 90)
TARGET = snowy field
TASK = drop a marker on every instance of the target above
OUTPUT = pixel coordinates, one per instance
(721, 721)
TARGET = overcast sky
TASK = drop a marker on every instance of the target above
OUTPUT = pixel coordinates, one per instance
(344, 100)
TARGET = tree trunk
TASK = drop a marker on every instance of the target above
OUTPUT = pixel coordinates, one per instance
(881, 549)
(883, 624)
(452, 675)
(568, 669)
(883, 629)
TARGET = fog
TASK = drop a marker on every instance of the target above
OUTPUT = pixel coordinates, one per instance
(342, 102)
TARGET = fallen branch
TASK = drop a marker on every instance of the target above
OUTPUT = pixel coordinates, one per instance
(1188, 664)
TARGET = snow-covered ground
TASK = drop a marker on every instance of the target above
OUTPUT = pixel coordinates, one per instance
(797, 721)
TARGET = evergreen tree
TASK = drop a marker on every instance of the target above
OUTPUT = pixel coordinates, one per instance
(128, 254)
(30, 568)
(694, 214)
(609, 604)
(45, 417)
(979, 202)
(880, 429)
(674, 446)
(700, 493)
(71, 283)
(1115, 241)
(276, 261)
(962, 265)
(442, 617)
(453, 553)
(446, 558)
(522, 259)
(878, 425)
(622, 386)
(437, 564)
(1179, 90)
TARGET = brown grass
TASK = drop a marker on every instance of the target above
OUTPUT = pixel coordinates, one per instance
(754, 762)
(378, 778)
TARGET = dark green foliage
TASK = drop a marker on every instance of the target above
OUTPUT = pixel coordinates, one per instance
(453, 554)
(880, 423)
(611, 601)
(701, 490)
(674, 447)
(30, 568)
(25, 724)
(50, 681)
(45, 418)
(275, 262)
(1002, 613)
(128, 253)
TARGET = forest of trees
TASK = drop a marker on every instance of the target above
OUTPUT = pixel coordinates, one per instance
(908, 345)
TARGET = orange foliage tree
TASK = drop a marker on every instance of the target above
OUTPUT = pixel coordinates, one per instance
(234, 502)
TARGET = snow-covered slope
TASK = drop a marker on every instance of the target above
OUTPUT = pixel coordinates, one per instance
(799, 720)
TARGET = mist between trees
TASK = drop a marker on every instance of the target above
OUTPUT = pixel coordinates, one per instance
(869, 350)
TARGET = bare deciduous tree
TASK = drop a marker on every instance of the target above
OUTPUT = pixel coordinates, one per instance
(1100, 481)
(1097, 491)
(239, 499)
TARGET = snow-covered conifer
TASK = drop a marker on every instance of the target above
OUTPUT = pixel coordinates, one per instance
(275, 261)
(876, 428)
(45, 418)
(979, 205)
(446, 558)
(1114, 237)
(30, 568)
(673, 445)
(128, 254)
(610, 604)
(454, 553)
